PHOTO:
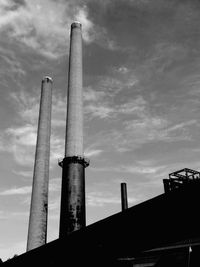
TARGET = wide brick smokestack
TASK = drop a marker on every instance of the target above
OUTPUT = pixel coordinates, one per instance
(37, 230)
(72, 214)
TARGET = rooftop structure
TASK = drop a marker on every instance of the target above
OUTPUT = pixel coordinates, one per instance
(181, 178)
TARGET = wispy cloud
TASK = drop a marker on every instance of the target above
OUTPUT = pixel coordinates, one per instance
(133, 107)
(150, 129)
(2, 145)
(20, 140)
(23, 173)
(54, 186)
(27, 106)
(90, 94)
(16, 191)
(59, 107)
(99, 199)
(46, 30)
(92, 152)
(122, 69)
(102, 100)
(10, 66)
(137, 124)
(101, 111)
(57, 149)
(19, 215)
(82, 16)
(140, 169)
(16, 248)
(101, 103)
(181, 126)
(135, 168)
(25, 135)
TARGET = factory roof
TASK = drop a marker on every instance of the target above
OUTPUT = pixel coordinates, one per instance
(165, 222)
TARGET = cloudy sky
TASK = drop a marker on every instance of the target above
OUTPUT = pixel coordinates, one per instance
(141, 101)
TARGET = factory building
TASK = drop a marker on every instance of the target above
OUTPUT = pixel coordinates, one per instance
(162, 231)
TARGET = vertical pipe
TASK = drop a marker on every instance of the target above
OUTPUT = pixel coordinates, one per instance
(72, 212)
(166, 184)
(37, 230)
(124, 198)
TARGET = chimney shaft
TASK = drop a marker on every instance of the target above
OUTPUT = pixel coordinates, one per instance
(37, 230)
(72, 212)
(124, 198)
(74, 125)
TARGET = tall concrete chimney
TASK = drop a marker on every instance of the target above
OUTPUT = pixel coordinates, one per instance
(124, 198)
(37, 230)
(72, 212)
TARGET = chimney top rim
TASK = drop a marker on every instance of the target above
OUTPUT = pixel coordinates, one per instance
(48, 78)
(76, 24)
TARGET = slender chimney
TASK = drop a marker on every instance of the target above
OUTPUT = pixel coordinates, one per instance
(72, 213)
(124, 198)
(37, 230)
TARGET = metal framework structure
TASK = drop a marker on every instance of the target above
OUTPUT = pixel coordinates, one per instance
(181, 178)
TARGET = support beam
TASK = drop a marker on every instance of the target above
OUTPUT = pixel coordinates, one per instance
(37, 230)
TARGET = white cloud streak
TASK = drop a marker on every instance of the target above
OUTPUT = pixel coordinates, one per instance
(23, 173)
(10, 65)
(46, 30)
(15, 248)
(27, 106)
(99, 111)
(99, 199)
(21, 140)
(135, 168)
(99, 105)
(90, 94)
(147, 129)
(92, 152)
(137, 125)
(54, 186)
(16, 191)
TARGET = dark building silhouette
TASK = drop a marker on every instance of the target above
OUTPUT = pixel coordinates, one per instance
(162, 231)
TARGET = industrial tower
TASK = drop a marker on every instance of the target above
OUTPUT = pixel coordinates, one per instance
(37, 230)
(72, 212)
